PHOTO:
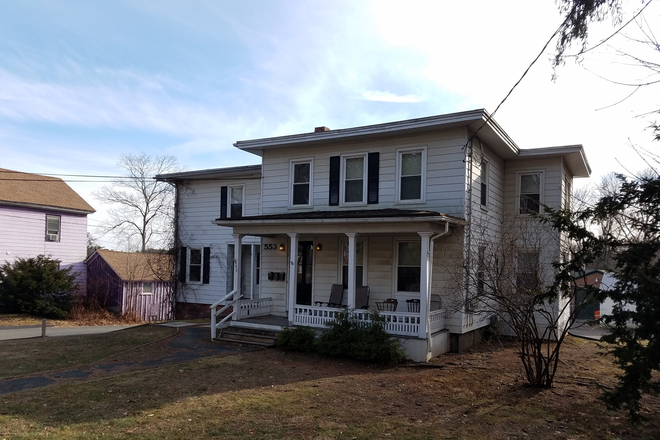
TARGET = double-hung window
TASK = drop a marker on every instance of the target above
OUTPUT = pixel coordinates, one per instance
(53, 223)
(409, 269)
(528, 277)
(411, 175)
(359, 264)
(236, 201)
(195, 265)
(354, 182)
(301, 179)
(485, 175)
(530, 187)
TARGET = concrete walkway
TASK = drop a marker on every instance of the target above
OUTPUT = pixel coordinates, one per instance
(8, 332)
(582, 329)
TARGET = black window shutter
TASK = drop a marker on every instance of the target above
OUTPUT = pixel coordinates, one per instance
(335, 163)
(372, 177)
(182, 264)
(223, 202)
(206, 272)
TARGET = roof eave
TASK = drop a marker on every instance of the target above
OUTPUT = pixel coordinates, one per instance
(47, 207)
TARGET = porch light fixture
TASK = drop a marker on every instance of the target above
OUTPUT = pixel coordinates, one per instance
(281, 247)
(319, 247)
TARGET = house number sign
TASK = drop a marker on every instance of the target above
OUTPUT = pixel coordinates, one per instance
(270, 247)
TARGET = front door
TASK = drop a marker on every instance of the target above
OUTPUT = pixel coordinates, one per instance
(304, 273)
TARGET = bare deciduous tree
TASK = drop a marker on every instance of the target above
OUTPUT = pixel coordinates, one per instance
(141, 208)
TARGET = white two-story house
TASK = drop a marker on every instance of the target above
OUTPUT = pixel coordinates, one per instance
(388, 212)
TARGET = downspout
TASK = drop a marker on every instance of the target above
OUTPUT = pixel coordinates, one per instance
(469, 153)
(428, 289)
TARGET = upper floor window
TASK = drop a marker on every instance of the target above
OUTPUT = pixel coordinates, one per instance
(301, 179)
(409, 266)
(568, 193)
(485, 176)
(236, 201)
(529, 192)
(411, 170)
(354, 181)
(53, 223)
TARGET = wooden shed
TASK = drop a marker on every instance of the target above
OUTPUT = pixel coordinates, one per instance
(132, 283)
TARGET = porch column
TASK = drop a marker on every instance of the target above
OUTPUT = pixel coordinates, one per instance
(424, 283)
(238, 257)
(292, 274)
(350, 301)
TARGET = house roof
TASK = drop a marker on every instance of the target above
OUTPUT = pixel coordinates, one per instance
(137, 266)
(358, 221)
(34, 190)
(597, 278)
(475, 120)
(573, 155)
(247, 171)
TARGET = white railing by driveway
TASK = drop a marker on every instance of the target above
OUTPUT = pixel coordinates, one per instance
(254, 307)
(396, 323)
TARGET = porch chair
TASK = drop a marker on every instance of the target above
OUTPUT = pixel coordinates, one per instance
(413, 305)
(336, 296)
(389, 305)
(362, 297)
(435, 301)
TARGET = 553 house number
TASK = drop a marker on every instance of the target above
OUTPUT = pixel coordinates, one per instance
(270, 247)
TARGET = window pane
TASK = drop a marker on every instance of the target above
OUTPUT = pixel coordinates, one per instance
(355, 168)
(147, 288)
(359, 253)
(411, 164)
(53, 224)
(530, 184)
(529, 203)
(195, 256)
(301, 173)
(410, 253)
(411, 188)
(236, 211)
(195, 273)
(354, 191)
(301, 194)
(236, 195)
(408, 279)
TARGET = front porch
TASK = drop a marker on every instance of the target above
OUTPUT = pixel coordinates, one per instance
(313, 268)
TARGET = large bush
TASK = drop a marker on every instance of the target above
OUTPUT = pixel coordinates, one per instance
(367, 341)
(36, 286)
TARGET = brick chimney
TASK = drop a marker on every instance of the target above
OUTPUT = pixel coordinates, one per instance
(321, 129)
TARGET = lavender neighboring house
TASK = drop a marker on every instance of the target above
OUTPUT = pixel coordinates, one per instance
(42, 215)
(132, 283)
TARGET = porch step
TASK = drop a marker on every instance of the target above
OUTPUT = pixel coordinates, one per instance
(248, 336)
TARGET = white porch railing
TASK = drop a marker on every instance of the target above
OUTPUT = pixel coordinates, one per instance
(396, 323)
(215, 312)
(254, 307)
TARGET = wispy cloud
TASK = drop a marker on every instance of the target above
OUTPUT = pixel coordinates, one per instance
(390, 97)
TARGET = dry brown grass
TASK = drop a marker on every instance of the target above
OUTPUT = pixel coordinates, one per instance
(273, 394)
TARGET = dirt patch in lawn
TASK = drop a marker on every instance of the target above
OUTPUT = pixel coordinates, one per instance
(79, 319)
(275, 394)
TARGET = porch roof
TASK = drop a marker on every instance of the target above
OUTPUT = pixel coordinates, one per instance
(357, 220)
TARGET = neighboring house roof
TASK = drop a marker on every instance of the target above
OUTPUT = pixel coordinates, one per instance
(247, 171)
(597, 278)
(476, 120)
(137, 266)
(34, 190)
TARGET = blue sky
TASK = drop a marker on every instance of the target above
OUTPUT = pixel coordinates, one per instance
(82, 82)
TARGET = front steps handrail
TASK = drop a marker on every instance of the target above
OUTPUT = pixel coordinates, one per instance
(215, 313)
